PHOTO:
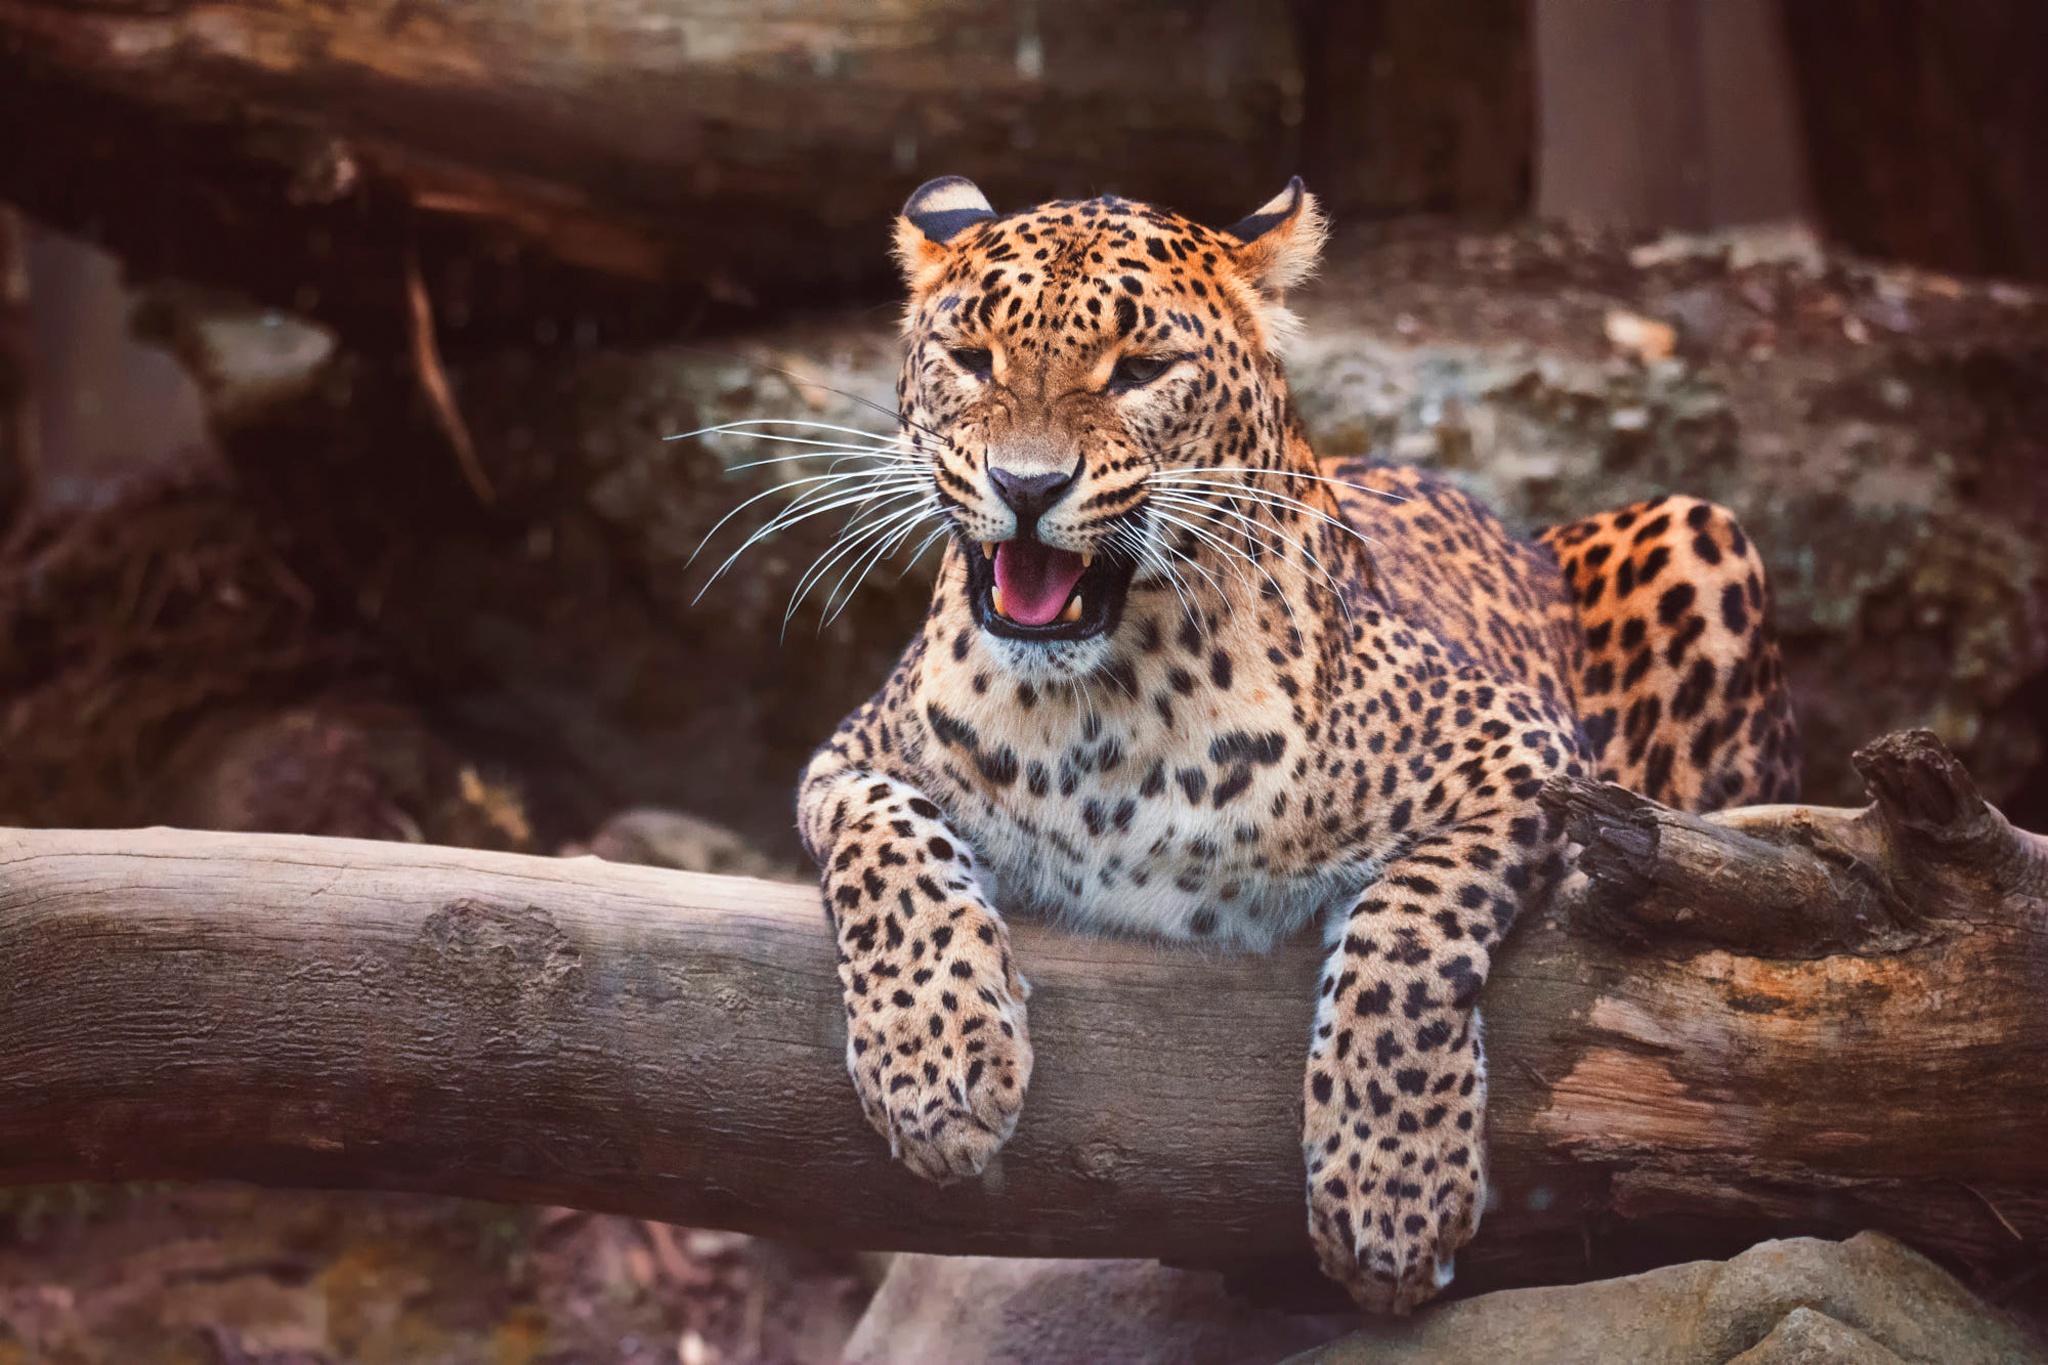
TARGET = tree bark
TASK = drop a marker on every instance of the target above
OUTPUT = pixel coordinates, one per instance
(1666, 114)
(1926, 126)
(18, 439)
(302, 1011)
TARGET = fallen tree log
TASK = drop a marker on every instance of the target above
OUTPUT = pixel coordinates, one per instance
(703, 153)
(1671, 1073)
(297, 150)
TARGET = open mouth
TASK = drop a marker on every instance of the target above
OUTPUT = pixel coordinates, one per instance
(1024, 589)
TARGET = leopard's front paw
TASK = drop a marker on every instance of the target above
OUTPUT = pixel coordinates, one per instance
(1389, 1209)
(938, 1046)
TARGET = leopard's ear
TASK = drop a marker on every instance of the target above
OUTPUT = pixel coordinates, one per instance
(1279, 244)
(937, 212)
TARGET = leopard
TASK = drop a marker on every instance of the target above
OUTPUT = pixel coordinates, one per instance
(1181, 678)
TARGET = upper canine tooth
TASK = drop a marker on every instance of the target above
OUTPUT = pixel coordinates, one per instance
(1073, 611)
(988, 547)
(1087, 558)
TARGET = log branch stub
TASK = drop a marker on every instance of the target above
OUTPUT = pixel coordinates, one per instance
(1658, 875)
(1936, 824)
(1919, 785)
(1802, 882)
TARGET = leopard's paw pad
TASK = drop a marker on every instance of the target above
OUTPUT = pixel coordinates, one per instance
(941, 1066)
(1388, 1225)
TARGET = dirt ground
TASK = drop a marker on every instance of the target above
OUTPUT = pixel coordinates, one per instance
(234, 1276)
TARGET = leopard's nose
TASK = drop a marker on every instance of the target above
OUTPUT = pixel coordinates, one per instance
(1029, 495)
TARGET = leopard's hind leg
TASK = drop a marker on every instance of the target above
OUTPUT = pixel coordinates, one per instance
(1682, 695)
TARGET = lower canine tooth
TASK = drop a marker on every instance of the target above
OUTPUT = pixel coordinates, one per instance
(1073, 611)
(997, 594)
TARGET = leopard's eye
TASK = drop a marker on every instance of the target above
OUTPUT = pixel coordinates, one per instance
(976, 360)
(1136, 371)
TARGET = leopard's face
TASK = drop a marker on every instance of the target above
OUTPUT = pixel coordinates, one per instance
(1073, 375)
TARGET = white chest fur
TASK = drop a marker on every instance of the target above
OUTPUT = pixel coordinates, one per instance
(1143, 845)
(1177, 799)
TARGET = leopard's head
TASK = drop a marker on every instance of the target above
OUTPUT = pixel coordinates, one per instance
(1096, 388)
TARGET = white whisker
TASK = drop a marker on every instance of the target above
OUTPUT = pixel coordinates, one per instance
(836, 454)
(906, 523)
(818, 501)
(892, 487)
(849, 546)
(1280, 473)
(1276, 501)
(1309, 556)
(784, 487)
(1191, 507)
(894, 450)
(1162, 559)
(943, 528)
(1229, 554)
(745, 427)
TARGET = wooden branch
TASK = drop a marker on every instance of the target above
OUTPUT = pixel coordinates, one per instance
(298, 1011)
(1936, 826)
(1659, 875)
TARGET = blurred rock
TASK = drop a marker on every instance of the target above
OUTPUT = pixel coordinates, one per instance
(1866, 1301)
(688, 843)
(103, 408)
(348, 767)
(244, 360)
(986, 1310)
(1806, 1337)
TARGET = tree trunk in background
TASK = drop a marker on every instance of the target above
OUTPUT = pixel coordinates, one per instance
(1411, 108)
(716, 155)
(17, 403)
(1665, 114)
(1928, 127)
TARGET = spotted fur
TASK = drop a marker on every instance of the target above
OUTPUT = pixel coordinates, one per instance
(1329, 693)
(1681, 693)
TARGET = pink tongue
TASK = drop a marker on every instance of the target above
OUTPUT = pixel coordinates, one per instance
(1036, 580)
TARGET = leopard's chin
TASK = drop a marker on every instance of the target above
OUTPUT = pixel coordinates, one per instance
(1093, 606)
